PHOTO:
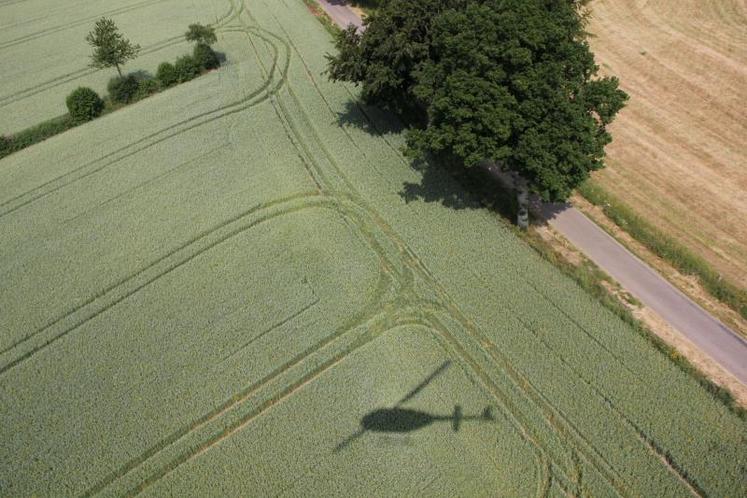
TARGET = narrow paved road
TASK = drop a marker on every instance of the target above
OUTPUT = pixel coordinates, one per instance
(706, 332)
(340, 13)
(710, 335)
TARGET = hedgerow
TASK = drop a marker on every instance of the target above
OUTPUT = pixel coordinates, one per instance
(83, 105)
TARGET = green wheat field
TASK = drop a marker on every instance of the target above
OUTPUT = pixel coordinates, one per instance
(212, 292)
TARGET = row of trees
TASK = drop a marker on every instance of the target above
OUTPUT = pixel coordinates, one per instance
(112, 49)
(512, 82)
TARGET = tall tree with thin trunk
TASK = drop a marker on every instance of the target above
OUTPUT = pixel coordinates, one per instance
(110, 47)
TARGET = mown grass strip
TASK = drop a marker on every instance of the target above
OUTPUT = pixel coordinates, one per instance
(666, 247)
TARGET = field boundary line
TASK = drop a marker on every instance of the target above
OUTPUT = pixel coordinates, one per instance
(79, 22)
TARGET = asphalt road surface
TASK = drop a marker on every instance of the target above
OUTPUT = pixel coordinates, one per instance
(706, 332)
(710, 335)
(340, 13)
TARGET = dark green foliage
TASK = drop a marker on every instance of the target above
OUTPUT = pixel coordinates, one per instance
(507, 81)
(6, 145)
(110, 48)
(202, 35)
(147, 87)
(122, 89)
(510, 81)
(205, 57)
(84, 105)
(166, 74)
(186, 68)
(36, 134)
(397, 40)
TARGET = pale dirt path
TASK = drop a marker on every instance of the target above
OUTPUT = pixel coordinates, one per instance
(706, 332)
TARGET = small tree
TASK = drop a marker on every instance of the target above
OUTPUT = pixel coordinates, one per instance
(84, 105)
(110, 48)
(205, 56)
(166, 74)
(186, 68)
(202, 35)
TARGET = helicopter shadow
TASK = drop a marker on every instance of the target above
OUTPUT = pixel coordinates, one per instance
(397, 419)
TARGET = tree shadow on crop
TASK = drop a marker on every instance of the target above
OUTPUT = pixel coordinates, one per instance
(456, 187)
(443, 180)
(398, 419)
(372, 120)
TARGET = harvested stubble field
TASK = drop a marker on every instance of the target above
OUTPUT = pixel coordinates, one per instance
(679, 157)
(208, 292)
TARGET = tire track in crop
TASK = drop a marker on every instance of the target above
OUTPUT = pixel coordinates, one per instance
(148, 182)
(375, 327)
(8, 3)
(338, 171)
(387, 278)
(646, 440)
(79, 22)
(552, 417)
(258, 96)
(155, 47)
(113, 295)
(606, 470)
(544, 403)
(413, 258)
(188, 251)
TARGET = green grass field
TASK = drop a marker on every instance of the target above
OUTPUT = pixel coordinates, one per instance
(208, 292)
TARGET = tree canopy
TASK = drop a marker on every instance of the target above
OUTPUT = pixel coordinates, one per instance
(110, 47)
(509, 81)
(202, 35)
(383, 59)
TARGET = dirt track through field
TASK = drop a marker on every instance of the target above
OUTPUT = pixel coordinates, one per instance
(679, 155)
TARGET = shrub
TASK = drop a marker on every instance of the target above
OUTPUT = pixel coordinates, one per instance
(123, 89)
(166, 75)
(205, 56)
(146, 88)
(203, 35)
(7, 145)
(186, 68)
(84, 105)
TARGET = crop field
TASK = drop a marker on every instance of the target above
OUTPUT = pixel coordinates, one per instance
(679, 155)
(224, 290)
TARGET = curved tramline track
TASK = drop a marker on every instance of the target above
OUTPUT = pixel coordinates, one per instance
(411, 312)
(405, 293)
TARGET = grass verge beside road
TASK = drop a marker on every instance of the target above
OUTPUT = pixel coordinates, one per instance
(666, 247)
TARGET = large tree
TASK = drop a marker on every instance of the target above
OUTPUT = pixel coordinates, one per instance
(383, 58)
(110, 47)
(513, 82)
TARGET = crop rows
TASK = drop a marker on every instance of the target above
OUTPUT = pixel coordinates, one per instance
(567, 377)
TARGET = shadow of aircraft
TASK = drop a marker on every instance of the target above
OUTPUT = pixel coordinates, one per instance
(401, 420)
